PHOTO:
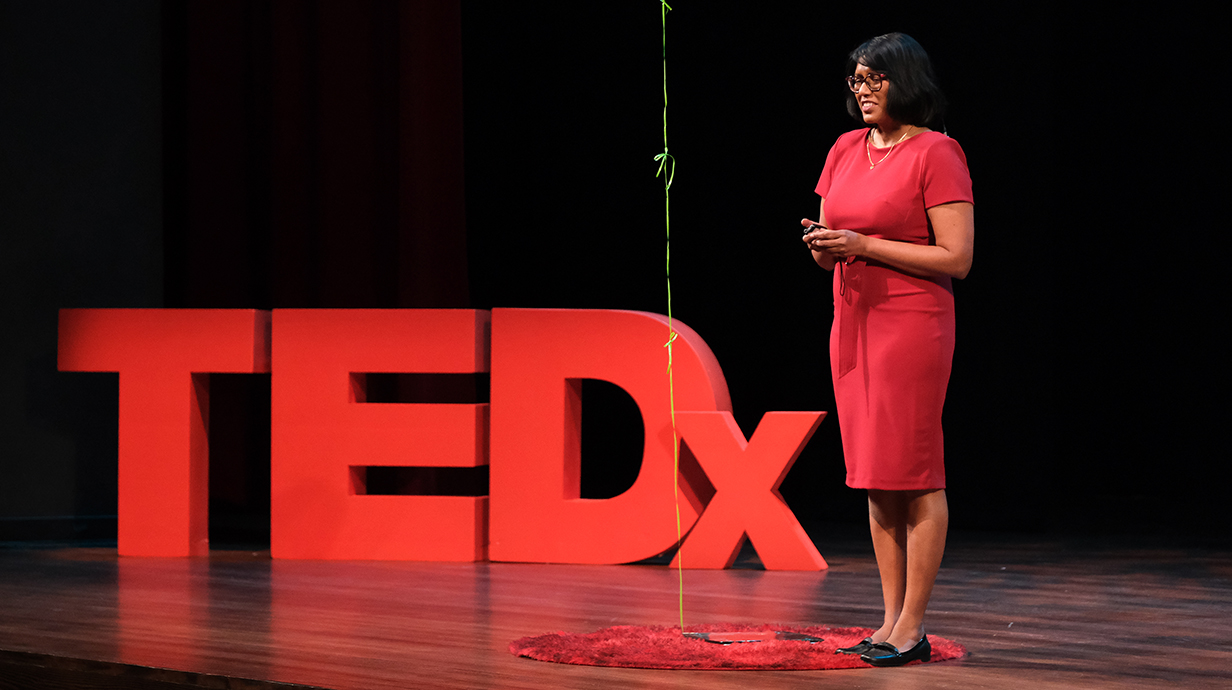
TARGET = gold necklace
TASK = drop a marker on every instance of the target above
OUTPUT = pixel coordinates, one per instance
(869, 152)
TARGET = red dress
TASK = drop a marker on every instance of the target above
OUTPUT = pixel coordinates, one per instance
(893, 335)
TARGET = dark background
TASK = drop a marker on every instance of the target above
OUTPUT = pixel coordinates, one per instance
(496, 154)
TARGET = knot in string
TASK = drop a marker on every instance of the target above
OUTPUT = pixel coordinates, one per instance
(671, 339)
(664, 159)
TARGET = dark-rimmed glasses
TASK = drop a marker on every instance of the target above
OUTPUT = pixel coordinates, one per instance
(874, 82)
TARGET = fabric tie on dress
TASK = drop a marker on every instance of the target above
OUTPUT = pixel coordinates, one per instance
(847, 329)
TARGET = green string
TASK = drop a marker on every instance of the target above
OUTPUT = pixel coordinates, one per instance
(667, 169)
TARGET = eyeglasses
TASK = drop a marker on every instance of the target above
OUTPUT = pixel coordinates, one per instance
(874, 82)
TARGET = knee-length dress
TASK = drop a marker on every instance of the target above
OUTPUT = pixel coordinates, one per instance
(892, 341)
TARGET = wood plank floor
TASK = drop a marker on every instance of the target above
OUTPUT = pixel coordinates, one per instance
(1034, 614)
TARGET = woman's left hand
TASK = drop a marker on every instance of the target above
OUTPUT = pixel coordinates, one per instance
(838, 243)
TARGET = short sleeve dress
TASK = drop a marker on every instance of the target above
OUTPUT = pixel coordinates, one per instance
(892, 341)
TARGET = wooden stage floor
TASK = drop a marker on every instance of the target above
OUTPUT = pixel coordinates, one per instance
(1034, 614)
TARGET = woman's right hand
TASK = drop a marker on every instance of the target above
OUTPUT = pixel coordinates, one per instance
(812, 230)
(813, 235)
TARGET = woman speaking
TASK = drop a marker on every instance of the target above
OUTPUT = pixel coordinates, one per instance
(896, 225)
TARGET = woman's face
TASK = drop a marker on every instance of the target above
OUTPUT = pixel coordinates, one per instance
(872, 104)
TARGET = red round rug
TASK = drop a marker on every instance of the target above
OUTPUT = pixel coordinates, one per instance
(661, 647)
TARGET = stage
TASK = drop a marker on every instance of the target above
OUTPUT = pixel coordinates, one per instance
(1039, 614)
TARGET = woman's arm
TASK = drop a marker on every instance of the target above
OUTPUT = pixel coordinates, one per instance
(822, 257)
(953, 227)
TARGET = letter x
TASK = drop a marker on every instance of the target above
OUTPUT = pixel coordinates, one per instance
(746, 476)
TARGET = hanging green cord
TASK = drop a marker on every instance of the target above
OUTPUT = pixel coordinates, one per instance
(667, 168)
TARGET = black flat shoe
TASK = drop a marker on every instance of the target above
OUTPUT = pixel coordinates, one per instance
(885, 654)
(864, 646)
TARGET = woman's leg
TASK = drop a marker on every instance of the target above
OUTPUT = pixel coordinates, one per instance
(927, 519)
(887, 521)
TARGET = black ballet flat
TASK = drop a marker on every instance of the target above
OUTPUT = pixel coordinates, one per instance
(885, 654)
(865, 645)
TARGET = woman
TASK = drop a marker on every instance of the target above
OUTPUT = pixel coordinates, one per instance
(896, 219)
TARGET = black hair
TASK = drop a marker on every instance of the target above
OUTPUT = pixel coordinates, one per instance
(915, 99)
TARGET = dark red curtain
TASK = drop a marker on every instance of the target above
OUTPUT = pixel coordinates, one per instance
(313, 154)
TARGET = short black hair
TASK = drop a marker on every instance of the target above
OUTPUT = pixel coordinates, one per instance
(916, 99)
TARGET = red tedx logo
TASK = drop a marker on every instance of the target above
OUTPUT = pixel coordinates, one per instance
(323, 435)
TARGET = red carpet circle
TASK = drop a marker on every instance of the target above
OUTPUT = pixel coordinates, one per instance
(661, 647)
